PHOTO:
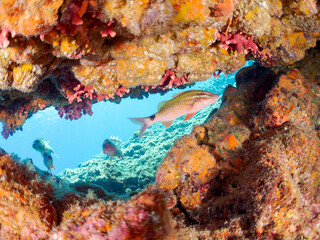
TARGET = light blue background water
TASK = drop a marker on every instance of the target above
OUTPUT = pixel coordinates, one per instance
(79, 140)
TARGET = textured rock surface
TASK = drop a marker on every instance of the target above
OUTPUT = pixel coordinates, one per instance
(34, 207)
(252, 170)
(118, 48)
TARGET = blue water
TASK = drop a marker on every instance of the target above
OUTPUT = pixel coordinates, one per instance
(79, 140)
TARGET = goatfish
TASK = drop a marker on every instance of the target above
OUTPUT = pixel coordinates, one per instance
(111, 149)
(48, 161)
(185, 103)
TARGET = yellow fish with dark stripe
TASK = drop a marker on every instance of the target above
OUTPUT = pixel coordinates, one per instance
(186, 103)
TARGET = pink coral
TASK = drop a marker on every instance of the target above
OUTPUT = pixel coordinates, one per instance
(239, 41)
(121, 90)
(6, 132)
(75, 110)
(75, 19)
(81, 91)
(170, 80)
(71, 22)
(108, 31)
(74, 90)
(4, 42)
(121, 232)
(136, 218)
(216, 76)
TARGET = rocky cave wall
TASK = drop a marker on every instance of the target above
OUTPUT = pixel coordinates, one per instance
(251, 171)
(70, 54)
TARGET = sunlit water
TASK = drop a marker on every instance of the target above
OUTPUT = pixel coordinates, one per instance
(79, 140)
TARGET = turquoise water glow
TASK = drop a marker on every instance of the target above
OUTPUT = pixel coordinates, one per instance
(77, 141)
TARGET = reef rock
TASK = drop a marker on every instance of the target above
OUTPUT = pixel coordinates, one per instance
(127, 48)
(34, 207)
(252, 170)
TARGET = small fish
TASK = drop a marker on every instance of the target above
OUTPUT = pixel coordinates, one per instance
(48, 161)
(111, 149)
(43, 147)
(186, 103)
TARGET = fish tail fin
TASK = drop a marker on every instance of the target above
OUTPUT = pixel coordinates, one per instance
(144, 122)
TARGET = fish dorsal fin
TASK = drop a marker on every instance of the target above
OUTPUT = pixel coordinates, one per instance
(161, 104)
(167, 123)
(177, 94)
(188, 116)
(57, 156)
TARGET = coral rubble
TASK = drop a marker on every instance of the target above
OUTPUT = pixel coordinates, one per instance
(126, 48)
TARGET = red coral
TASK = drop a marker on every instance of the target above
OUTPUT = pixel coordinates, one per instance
(71, 22)
(6, 132)
(121, 90)
(4, 41)
(136, 218)
(216, 76)
(75, 110)
(108, 31)
(101, 97)
(121, 232)
(81, 91)
(145, 87)
(239, 41)
(75, 18)
(74, 90)
(170, 80)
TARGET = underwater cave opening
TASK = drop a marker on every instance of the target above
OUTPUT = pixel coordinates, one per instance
(78, 143)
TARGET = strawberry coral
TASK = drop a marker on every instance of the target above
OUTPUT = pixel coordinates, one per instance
(240, 42)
